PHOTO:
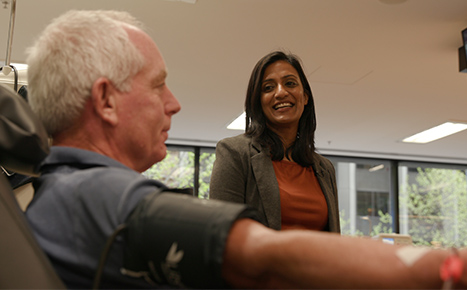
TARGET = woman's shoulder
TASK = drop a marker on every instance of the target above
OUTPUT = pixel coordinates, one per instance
(239, 140)
(322, 161)
(240, 144)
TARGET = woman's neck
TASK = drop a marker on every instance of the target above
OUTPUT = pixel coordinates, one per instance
(287, 135)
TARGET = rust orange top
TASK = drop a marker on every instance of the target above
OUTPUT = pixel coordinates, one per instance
(303, 205)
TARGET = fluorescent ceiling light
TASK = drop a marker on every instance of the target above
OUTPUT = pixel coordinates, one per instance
(376, 168)
(238, 124)
(437, 132)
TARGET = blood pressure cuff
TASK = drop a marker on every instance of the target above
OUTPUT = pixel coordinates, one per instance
(179, 240)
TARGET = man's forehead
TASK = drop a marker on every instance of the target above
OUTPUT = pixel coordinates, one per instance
(150, 51)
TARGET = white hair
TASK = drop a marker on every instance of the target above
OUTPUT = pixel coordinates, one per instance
(74, 51)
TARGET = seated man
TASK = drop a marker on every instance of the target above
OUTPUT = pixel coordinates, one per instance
(98, 83)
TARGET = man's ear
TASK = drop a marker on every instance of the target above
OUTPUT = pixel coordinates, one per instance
(104, 100)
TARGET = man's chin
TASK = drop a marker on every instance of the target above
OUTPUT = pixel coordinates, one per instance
(156, 157)
(161, 153)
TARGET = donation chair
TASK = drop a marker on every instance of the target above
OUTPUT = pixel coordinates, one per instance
(23, 145)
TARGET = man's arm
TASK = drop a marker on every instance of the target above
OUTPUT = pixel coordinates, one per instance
(257, 257)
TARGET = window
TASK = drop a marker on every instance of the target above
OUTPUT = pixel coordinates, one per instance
(426, 201)
(177, 168)
(433, 204)
(365, 195)
(185, 167)
(206, 161)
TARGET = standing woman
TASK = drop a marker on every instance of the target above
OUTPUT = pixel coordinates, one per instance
(273, 166)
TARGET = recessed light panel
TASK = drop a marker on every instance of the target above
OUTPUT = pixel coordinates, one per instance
(238, 124)
(437, 132)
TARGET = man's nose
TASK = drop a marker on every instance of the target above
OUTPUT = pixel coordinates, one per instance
(172, 106)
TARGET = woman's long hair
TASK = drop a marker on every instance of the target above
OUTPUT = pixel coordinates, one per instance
(303, 148)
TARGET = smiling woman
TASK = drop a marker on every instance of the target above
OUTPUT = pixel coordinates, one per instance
(273, 167)
(283, 100)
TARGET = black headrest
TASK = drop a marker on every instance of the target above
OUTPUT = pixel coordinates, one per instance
(23, 139)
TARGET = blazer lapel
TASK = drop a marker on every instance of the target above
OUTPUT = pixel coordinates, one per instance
(267, 185)
(325, 181)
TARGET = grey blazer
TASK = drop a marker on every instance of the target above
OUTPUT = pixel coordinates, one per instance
(243, 173)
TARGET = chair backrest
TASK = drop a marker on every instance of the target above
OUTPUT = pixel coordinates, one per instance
(23, 145)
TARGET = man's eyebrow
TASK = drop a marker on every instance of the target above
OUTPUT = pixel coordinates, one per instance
(161, 76)
(159, 79)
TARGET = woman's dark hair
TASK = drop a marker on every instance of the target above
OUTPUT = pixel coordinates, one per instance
(303, 148)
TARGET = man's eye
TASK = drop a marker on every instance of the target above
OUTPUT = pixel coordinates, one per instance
(158, 86)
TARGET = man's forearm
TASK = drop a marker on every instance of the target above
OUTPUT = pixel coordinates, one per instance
(257, 257)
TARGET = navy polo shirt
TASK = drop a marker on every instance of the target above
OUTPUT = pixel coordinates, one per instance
(80, 199)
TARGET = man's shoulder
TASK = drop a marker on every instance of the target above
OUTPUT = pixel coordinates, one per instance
(86, 172)
(60, 155)
(97, 187)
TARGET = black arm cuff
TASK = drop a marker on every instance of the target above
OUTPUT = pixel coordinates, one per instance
(179, 240)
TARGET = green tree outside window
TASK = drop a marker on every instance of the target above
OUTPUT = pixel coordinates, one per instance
(435, 207)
